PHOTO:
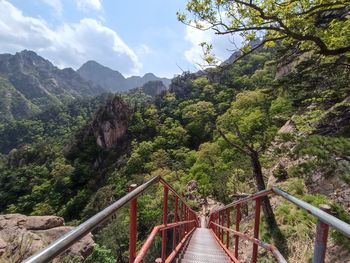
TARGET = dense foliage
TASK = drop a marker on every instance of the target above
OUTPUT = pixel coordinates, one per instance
(216, 129)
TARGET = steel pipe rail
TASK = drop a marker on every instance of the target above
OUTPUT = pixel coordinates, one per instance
(67, 240)
(326, 218)
(163, 182)
(146, 246)
(246, 199)
(217, 223)
(278, 256)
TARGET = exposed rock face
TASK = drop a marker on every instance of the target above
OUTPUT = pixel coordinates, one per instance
(153, 88)
(180, 85)
(288, 127)
(21, 236)
(290, 62)
(111, 123)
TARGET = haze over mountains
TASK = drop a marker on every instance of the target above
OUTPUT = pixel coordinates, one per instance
(113, 80)
(30, 83)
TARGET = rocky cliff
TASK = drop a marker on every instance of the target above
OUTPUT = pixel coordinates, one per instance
(21, 236)
(153, 88)
(111, 123)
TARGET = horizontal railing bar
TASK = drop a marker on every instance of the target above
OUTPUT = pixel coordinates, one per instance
(245, 199)
(172, 225)
(264, 245)
(142, 253)
(67, 240)
(326, 218)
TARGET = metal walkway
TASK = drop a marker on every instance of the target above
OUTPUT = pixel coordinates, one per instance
(191, 244)
(203, 248)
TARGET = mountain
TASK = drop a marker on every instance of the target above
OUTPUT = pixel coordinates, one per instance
(107, 78)
(136, 81)
(30, 83)
(113, 80)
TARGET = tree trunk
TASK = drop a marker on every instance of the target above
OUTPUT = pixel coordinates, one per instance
(260, 184)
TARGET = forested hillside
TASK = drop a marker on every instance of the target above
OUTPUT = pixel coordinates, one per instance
(276, 114)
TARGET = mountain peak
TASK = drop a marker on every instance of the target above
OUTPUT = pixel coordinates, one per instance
(29, 58)
(149, 75)
(113, 80)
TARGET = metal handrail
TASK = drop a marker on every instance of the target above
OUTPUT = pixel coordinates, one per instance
(163, 182)
(326, 218)
(279, 257)
(147, 244)
(67, 240)
(245, 200)
(324, 221)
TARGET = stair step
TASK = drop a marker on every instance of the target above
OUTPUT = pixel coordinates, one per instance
(202, 248)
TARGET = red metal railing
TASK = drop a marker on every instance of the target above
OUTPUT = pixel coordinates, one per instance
(185, 221)
(220, 220)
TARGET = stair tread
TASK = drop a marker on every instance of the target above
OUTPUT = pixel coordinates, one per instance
(202, 247)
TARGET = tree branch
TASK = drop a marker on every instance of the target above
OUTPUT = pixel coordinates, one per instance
(323, 49)
(232, 144)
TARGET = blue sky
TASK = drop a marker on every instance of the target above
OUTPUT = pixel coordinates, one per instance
(133, 37)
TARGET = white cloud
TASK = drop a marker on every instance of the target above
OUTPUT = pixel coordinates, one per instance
(89, 4)
(55, 4)
(223, 45)
(67, 45)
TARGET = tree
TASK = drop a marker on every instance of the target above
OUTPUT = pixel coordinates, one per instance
(320, 25)
(248, 127)
(199, 117)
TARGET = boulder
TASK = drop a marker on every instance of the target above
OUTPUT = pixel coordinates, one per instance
(43, 222)
(81, 249)
(288, 127)
(21, 236)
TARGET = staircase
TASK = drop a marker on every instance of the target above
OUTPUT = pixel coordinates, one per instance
(217, 240)
(202, 247)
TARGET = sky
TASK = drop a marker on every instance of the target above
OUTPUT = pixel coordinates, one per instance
(131, 36)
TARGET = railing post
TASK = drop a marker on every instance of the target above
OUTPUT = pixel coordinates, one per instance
(175, 220)
(182, 219)
(165, 219)
(321, 238)
(256, 228)
(218, 222)
(187, 216)
(222, 223)
(132, 226)
(228, 226)
(238, 219)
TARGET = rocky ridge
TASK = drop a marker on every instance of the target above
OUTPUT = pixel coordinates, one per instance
(114, 81)
(31, 83)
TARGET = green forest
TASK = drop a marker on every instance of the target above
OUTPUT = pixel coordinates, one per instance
(277, 115)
